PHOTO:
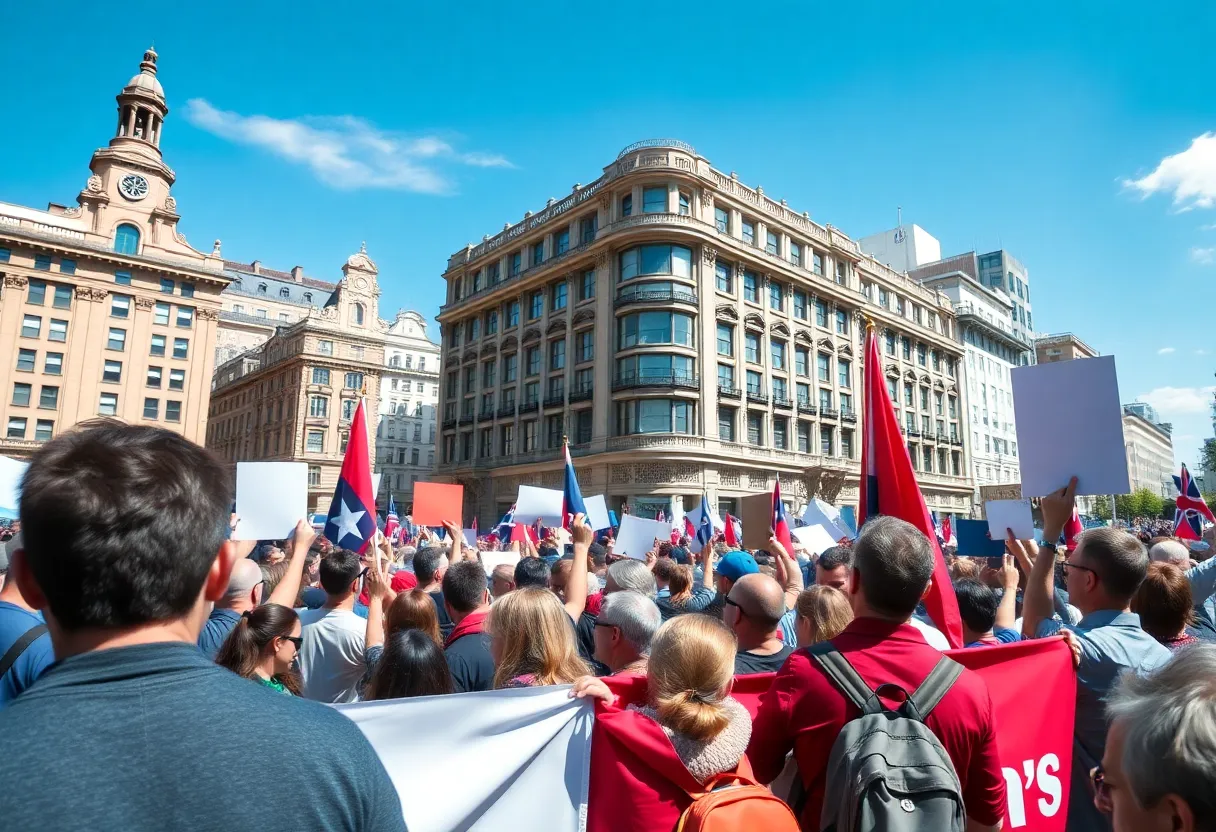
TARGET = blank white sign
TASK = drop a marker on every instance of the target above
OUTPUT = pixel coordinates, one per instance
(597, 512)
(11, 472)
(1070, 424)
(637, 536)
(270, 498)
(816, 539)
(543, 503)
(1009, 515)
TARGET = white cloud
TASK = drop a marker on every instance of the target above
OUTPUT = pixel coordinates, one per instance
(1179, 401)
(1203, 256)
(1201, 352)
(1165, 351)
(344, 152)
(1209, 227)
(1190, 176)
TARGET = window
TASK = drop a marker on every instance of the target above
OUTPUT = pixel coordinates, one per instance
(841, 272)
(755, 383)
(907, 394)
(751, 347)
(583, 381)
(825, 399)
(531, 392)
(122, 278)
(907, 348)
(755, 428)
(824, 367)
(795, 253)
(153, 378)
(26, 360)
(325, 347)
(749, 232)
(846, 443)
(821, 314)
(314, 442)
(726, 424)
(654, 200)
(889, 343)
(804, 437)
(21, 394)
(685, 203)
(654, 416)
(516, 264)
(751, 284)
(804, 394)
(151, 408)
(778, 351)
(185, 317)
(348, 411)
(530, 436)
(776, 296)
(825, 440)
(507, 440)
(470, 379)
(586, 285)
(779, 389)
(555, 427)
(557, 355)
(237, 308)
(120, 306)
(846, 403)
(842, 322)
(488, 371)
(770, 242)
(586, 345)
(722, 220)
(538, 253)
(31, 326)
(802, 361)
(726, 339)
(626, 205)
(42, 262)
(817, 263)
(536, 305)
(920, 354)
(43, 430)
(935, 360)
(512, 314)
(187, 290)
(112, 371)
(167, 286)
(320, 375)
(780, 429)
(117, 339)
(938, 403)
(36, 293)
(63, 297)
(161, 314)
(4, 255)
(726, 377)
(654, 366)
(561, 241)
(800, 305)
(53, 365)
(587, 228)
(642, 328)
(181, 347)
(108, 404)
(844, 372)
(724, 281)
(655, 259)
(557, 297)
(509, 368)
(16, 428)
(318, 407)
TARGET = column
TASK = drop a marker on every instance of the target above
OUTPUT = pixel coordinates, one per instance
(85, 354)
(707, 348)
(202, 364)
(130, 121)
(605, 347)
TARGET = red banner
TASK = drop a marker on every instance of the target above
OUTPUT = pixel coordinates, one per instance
(1033, 690)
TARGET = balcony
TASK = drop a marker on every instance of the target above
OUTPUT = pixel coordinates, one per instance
(556, 400)
(486, 413)
(506, 411)
(529, 407)
(829, 413)
(943, 437)
(632, 381)
(913, 432)
(805, 406)
(466, 419)
(757, 395)
(582, 394)
(849, 416)
(627, 297)
(782, 401)
(448, 424)
(954, 440)
(728, 392)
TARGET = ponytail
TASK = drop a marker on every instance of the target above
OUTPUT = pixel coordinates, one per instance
(692, 714)
(240, 652)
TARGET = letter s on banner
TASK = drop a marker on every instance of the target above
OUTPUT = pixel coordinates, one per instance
(1033, 688)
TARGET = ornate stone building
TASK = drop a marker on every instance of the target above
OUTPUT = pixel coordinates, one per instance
(409, 395)
(258, 300)
(688, 333)
(105, 309)
(292, 398)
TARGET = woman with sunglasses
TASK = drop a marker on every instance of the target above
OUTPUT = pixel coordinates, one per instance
(263, 647)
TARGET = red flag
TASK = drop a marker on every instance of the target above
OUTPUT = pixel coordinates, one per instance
(351, 523)
(1072, 528)
(947, 531)
(732, 533)
(781, 521)
(888, 486)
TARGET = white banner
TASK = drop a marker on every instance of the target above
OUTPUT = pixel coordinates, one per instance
(480, 760)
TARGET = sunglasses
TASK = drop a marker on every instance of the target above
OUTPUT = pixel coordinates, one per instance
(735, 604)
(1097, 780)
(298, 641)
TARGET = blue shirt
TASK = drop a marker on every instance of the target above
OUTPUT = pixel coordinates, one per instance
(38, 656)
(701, 600)
(1002, 636)
(215, 632)
(1111, 643)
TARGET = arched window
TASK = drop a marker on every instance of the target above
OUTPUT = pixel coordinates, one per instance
(284, 292)
(358, 314)
(422, 363)
(261, 288)
(126, 239)
(409, 361)
(308, 297)
(395, 361)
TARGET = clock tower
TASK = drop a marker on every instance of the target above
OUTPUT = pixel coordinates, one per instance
(127, 196)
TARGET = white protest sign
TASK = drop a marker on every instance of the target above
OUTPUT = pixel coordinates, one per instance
(1070, 424)
(597, 512)
(270, 498)
(376, 485)
(819, 513)
(470, 537)
(491, 559)
(1009, 515)
(543, 503)
(816, 539)
(11, 472)
(637, 536)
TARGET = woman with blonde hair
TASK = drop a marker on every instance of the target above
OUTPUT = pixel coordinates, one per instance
(532, 641)
(822, 613)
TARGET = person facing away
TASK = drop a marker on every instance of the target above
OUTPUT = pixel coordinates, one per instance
(822, 613)
(243, 594)
(626, 625)
(804, 711)
(429, 565)
(126, 544)
(412, 609)
(411, 665)
(331, 658)
(1159, 762)
(502, 580)
(467, 648)
(1165, 607)
(263, 647)
(20, 622)
(1102, 574)
(753, 611)
(532, 642)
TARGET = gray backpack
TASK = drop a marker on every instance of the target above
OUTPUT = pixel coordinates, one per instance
(888, 772)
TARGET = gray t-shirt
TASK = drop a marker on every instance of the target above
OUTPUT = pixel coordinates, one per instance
(156, 737)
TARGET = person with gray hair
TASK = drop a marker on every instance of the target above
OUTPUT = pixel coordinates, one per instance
(1170, 551)
(627, 622)
(630, 574)
(1160, 759)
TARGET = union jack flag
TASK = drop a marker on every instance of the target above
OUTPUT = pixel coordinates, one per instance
(1189, 508)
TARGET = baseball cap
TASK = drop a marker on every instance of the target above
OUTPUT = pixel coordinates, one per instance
(734, 565)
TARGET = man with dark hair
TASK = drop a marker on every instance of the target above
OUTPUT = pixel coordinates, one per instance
(468, 646)
(804, 710)
(331, 655)
(980, 608)
(25, 644)
(531, 572)
(1102, 574)
(430, 563)
(126, 543)
(833, 567)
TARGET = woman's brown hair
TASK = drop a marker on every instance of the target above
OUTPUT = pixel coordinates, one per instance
(827, 609)
(412, 610)
(692, 663)
(536, 637)
(1164, 601)
(242, 651)
(680, 584)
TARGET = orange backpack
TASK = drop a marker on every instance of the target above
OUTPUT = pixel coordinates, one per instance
(735, 801)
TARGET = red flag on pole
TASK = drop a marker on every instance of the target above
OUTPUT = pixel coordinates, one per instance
(889, 486)
(351, 523)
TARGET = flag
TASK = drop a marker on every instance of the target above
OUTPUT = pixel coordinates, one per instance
(690, 531)
(503, 530)
(781, 521)
(888, 486)
(937, 528)
(660, 516)
(947, 532)
(1189, 507)
(1072, 528)
(705, 531)
(351, 523)
(572, 497)
(392, 523)
(733, 532)
(474, 531)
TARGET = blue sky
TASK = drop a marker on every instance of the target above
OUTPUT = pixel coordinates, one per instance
(299, 130)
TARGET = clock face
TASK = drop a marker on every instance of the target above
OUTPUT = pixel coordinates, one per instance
(133, 186)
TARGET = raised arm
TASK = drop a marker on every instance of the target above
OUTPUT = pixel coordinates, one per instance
(1007, 612)
(576, 584)
(707, 566)
(1037, 602)
(287, 590)
(788, 573)
(379, 594)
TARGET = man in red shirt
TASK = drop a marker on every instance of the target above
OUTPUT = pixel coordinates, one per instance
(804, 710)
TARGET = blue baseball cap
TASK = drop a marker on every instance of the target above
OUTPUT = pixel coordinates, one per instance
(734, 565)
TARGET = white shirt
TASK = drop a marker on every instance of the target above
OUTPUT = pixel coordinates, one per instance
(933, 636)
(331, 657)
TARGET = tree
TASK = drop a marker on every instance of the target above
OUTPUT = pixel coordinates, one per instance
(1101, 507)
(1150, 502)
(1208, 455)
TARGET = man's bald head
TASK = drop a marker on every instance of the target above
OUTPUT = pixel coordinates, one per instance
(760, 598)
(245, 576)
(1170, 551)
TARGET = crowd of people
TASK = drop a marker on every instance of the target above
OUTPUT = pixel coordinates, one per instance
(163, 670)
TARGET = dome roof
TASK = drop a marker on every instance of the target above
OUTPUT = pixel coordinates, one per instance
(146, 80)
(360, 260)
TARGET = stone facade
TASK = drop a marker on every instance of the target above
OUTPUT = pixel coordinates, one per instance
(409, 396)
(1062, 347)
(1150, 454)
(105, 308)
(688, 334)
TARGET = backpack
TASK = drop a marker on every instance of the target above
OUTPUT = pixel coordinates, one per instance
(733, 802)
(888, 772)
